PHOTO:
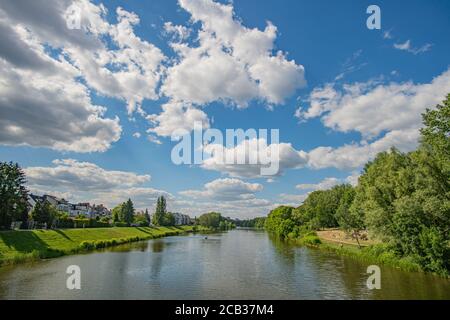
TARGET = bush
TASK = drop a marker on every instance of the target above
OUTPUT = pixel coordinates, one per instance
(120, 224)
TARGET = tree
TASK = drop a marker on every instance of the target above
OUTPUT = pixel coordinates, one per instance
(435, 135)
(350, 219)
(147, 217)
(280, 221)
(168, 219)
(211, 220)
(160, 211)
(117, 213)
(128, 212)
(13, 194)
(44, 212)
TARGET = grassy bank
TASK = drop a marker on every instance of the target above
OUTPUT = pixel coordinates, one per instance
(373, 254)
(29, 245)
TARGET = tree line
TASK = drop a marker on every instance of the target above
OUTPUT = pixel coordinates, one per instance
(216, 221)
(403, 199)
(256, 223)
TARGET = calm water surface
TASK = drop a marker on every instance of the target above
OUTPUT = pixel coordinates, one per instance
(240, 264)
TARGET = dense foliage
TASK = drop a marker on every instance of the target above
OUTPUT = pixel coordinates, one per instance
(13, 195)
(214, 220)
(159, 216)
(257, 223)
(401, 198)
(123, 213)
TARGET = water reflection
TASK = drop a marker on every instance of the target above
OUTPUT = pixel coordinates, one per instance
(241, 264)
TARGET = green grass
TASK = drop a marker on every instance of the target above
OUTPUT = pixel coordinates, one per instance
(375, 254)
(21, 246)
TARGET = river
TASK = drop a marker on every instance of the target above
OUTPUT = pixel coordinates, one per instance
(240, 264)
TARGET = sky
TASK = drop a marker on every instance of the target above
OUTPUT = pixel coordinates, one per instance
(89, 112)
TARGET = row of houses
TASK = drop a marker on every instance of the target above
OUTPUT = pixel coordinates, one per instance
(86, 209)
(181, 219)
(73, 210)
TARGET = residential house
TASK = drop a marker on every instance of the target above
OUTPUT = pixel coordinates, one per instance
(181, 219)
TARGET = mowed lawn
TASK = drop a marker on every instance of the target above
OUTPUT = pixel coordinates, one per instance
(17, 244)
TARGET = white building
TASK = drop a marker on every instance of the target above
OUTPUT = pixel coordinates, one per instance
(181, 219)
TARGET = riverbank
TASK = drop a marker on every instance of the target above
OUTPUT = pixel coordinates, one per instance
(373, 253)
(30, 245)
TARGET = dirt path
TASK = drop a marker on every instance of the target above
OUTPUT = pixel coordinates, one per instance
(339, 236)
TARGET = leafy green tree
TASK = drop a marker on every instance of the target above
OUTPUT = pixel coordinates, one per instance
(279, 221)
(44, 212)
(13, 194)
(350, 219)
(435, 135)
(211, 219)
(117, 213)
(128, 212)
(147, 217)
(160, 212)
(168, 219)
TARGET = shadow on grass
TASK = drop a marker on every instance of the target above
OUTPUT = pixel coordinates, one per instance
(63, 234)
(23, 241)
(143, 230)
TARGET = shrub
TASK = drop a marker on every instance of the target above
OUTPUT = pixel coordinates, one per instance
(120, 224)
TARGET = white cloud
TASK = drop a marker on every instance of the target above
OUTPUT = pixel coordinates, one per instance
(232, 62)
(225, 190)
(352, 156)
(72, 175)
(176, 117)
(406, 46)
(130, 72)
(372, 108)
(47, 108)
(292, 200)
(178, 33)
(325, 184)
(248, 149)
(137, 135)
(329, 183)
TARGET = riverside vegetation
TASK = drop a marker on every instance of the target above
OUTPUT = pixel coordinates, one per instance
(64, 235)
(401, 199)
(29, 245)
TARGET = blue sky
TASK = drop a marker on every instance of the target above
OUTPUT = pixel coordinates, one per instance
(355, 92)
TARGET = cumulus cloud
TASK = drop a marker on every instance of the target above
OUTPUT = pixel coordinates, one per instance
(233, 63)
(176, 117)
(294, 200)
(73, 175)
(131, 71)
(177, 32)
(44, 103)
(48, 109)
(255, 154)
(225, 190)
(356, 155)
(372, 108)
